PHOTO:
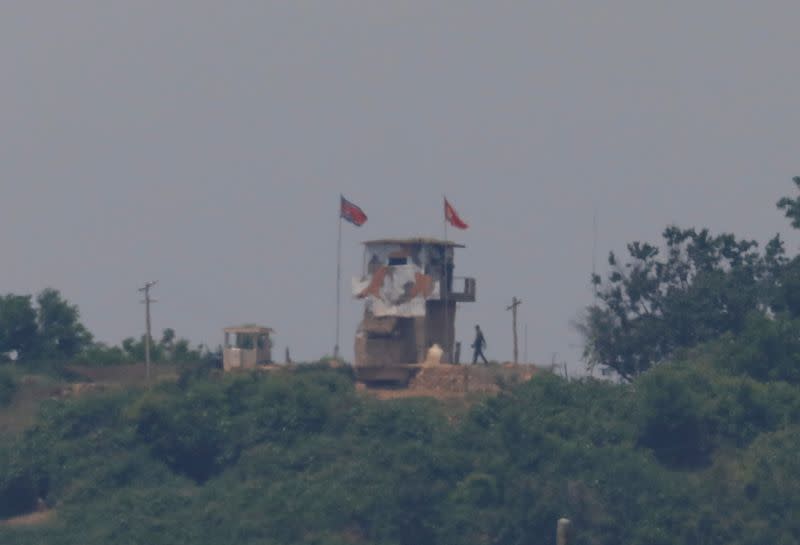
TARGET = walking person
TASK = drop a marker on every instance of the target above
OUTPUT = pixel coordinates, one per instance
(478, 345)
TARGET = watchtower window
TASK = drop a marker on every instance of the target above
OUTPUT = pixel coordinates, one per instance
(398, 261)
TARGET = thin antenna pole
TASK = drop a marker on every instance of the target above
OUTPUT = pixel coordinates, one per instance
(338, 287)
(147, 301)
(446, 290)
(594, 251)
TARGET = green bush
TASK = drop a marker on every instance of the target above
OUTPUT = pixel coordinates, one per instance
(19, 489)
(102, 354)
(673, 420)
(193, 434)
(685, 454)
(8, 387)
(767, 349)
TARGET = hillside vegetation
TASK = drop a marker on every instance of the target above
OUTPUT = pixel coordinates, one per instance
(688, 455)
(696, 445)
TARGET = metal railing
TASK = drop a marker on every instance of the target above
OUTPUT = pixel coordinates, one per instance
(462, 288)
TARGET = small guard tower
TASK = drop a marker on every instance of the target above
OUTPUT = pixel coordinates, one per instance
(410, 296)
(246, 347)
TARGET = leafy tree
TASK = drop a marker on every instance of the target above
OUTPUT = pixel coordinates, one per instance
(178, 350)
(49, 330)
(168, 337)
(18, 328)
(791, 207)
(169, 349)
(99, 353)
(767, 349)
(785, 290)
(702, 286)
(135, 349)
(694, 289)
(61, 334)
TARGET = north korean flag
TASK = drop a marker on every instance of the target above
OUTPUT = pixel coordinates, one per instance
(452, 216)
(352, 213)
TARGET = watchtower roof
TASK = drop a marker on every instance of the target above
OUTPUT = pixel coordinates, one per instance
(415, 240)
(248, 329)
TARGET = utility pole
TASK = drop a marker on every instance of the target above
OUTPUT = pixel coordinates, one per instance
(513, 308)
(147, 301)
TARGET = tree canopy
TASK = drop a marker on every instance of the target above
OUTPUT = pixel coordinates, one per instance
(49, 329)
(18, 327)
(694, 288)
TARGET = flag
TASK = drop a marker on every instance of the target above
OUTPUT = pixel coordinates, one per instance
(451, 216)
(352, 213)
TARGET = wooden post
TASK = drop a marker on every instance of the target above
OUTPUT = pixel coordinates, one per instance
(147, 301)
(564, 532)
(513, 308)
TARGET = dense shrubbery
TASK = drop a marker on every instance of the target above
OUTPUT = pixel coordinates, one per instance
(767, 349)
(8, 386)
(686, 454)
(167, 349)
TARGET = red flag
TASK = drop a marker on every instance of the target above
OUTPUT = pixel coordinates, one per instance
(451, 216)
(352, 213)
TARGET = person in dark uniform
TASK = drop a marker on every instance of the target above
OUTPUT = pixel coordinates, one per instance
(478, 345)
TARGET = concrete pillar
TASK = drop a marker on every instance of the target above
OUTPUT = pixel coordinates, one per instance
(564, 532)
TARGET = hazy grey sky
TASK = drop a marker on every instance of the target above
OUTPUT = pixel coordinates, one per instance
(204, 144)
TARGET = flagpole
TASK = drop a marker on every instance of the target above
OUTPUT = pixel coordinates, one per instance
(446, 290)
(338, 284)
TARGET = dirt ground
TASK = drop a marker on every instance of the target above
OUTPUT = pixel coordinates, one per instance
(33, 389)
(38, 517)
(446, 381)
(21, 413)
(134, 374)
